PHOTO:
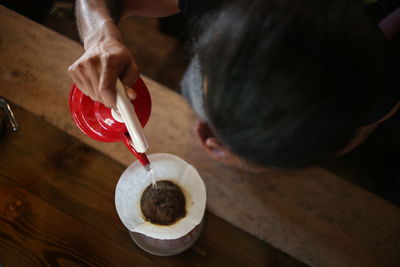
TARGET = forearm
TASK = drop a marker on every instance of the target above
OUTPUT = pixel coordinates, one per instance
(96, 20)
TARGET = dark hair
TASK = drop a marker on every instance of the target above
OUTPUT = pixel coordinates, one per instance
(289, 81)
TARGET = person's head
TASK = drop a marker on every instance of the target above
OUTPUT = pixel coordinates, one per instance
(288, 82)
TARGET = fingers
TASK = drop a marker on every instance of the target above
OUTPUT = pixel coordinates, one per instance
(83, 82)
(130, 74)
(129, 77)
(131, 93)
(107, 90)
(85, 75)
(98, 69)
(92, 71)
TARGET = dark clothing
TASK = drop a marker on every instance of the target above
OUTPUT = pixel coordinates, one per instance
(378, 12)
(197, 8)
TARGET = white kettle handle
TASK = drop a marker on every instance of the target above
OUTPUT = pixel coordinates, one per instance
(128, 114)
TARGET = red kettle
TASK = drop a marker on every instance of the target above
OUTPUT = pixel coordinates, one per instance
(107, 125)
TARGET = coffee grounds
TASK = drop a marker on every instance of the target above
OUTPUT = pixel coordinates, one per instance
(163, 204)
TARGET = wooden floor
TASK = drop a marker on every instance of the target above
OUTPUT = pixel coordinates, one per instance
(57, 208)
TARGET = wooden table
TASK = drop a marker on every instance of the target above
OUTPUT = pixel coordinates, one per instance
(57, 207)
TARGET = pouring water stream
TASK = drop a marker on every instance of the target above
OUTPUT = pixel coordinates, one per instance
(150, 173)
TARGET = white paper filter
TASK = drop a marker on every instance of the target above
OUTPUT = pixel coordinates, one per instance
(135, 180)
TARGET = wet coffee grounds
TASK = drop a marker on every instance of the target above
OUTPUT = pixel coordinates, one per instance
(163, 204)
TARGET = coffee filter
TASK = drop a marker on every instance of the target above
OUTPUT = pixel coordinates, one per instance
(135, 180)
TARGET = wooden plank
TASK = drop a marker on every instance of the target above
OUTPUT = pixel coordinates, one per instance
(67, 186)
(34, 233)
(312, 214)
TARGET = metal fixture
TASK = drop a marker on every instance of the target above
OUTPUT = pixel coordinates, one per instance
(7, 109)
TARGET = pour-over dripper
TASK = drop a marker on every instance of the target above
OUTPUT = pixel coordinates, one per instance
(166, 239)
(98, 122)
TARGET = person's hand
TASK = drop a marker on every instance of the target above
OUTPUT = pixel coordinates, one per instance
(97, 70)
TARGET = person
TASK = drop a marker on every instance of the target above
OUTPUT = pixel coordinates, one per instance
(275, 83)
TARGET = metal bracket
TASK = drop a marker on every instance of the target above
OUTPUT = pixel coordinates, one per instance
(7, 109)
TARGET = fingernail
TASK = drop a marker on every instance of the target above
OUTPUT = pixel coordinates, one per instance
(131, 93)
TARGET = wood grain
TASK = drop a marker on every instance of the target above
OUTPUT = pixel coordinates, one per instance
(57, 208)
(312, 214)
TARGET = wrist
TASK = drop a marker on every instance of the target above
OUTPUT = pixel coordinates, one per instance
(108, 31)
